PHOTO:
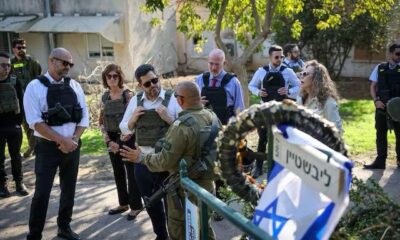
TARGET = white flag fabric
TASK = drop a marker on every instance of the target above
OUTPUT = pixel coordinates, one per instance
(304, 198)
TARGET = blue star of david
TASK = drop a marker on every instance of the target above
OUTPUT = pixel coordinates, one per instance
(270, 212)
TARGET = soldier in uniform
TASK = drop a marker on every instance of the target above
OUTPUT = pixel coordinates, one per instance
(11, 114)
(26, 69)
(385, 85)
(181, 141)
(149, 115)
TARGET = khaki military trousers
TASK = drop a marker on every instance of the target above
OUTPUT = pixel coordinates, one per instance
(176, 217)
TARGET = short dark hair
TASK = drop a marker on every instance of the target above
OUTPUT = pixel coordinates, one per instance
(118, 70)
(143, 70)
(4, 55)
(17, 41)
(288, 48)
(393, 47)
(274, 48)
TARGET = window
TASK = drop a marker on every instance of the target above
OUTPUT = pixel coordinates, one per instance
(5, 41)
(99, 47)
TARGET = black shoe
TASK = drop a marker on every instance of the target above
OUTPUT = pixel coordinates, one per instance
(67, 233)
(4, 193)
(21, 189)
(375, 165)
(132, 215)
(119, 209)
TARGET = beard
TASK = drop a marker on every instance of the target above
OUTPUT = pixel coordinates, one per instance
(153, 92)
(22, 54)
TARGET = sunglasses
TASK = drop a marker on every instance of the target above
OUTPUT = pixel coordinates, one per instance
(304, 74)
(5, 65)
(112, 76)
(177, 95)
(64, 63)
(21, 47)
(279, 57)
(152, 81)
(397, 54)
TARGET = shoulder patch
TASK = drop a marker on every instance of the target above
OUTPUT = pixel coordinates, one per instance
(176, 122)
(166, 145)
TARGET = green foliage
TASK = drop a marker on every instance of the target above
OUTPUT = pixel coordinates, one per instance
(372, 214)
(92, 143)
(329, 29)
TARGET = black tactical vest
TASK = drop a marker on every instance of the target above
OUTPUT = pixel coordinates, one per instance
(217, 97)
(388, 85)
(271, 83)
(113, 111)
(150, 127)
(63, 105)
(8, 96)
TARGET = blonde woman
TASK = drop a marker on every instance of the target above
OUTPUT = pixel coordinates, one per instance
(318, 92)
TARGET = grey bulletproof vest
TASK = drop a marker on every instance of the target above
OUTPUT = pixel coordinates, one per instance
(150, 127)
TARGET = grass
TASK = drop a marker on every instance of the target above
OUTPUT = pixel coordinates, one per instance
(357, 116)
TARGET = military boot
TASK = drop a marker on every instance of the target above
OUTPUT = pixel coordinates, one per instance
(4, 193)
(20, 188)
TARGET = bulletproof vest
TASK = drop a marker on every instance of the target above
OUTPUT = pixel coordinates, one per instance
(150, 127)
(21, 69)
(388, 85)
(8, 96)
(63, 105)
(271, 83)
(217, 97)
(113, 111)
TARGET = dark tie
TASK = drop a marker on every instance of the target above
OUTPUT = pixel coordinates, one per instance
(214, 82)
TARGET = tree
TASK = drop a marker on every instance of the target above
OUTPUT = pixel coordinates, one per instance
(332, 45)
(251, 21)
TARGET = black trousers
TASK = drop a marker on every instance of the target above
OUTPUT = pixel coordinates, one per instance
(12, 136)
(262, 145)
(148, 183)
(48, 159)
(124, 175)
(381, 127)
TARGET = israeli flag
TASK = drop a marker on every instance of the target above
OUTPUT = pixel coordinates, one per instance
(308, 189)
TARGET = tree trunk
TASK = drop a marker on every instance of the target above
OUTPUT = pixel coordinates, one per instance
(241, 73)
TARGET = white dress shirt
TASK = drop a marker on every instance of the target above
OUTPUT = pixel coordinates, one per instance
(288, 75)
(35, 102)
(173, 111)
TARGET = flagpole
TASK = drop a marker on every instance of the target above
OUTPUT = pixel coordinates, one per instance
(270, 161)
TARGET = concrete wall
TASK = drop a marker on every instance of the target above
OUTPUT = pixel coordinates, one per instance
(37, 47)
(22, 6)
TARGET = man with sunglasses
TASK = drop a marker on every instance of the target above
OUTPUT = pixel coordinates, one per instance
(149, 115)
(55, 108)
(26, 69)
(11, 115)
(385, 85)
(272, 82)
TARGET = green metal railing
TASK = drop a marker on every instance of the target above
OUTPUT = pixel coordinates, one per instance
(206, 200)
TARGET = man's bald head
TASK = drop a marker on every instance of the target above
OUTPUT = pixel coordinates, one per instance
(60, 62)
(189, 92)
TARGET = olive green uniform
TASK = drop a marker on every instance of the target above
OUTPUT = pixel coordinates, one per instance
(26, 69)
(182, 141)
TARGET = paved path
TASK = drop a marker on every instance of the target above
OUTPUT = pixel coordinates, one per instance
(95, 195)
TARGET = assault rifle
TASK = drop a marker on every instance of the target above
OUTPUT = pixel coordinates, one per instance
(171, 185)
